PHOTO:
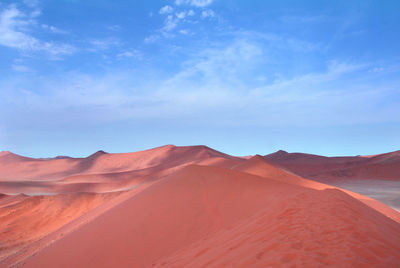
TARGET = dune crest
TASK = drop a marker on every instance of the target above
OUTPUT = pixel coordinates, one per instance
(212, 206)
(191, 206)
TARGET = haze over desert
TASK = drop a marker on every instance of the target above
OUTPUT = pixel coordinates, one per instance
(199, 133)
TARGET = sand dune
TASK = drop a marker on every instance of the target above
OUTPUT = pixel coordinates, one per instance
(201, 209)
(308, 165)
(376, 176)
(192, 206)
(382, 166)
(14, 167)
(340, 233)
(92, 174)
(41, 183)
(257, 165)
(24, 219)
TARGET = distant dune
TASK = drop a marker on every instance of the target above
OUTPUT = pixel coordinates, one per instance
(377, 176)
(193, 206)
(382, 166)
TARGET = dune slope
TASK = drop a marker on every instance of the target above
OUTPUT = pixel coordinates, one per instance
(248, 219)
(25, 219)
(325, 169)
(18, 168)
(258, 165)
(37, 200)
(315, 229)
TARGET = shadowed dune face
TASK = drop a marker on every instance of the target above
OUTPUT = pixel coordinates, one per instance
(191, 206)
(308, 165)
(383, 166)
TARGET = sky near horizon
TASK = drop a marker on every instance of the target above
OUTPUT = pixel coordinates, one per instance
(243, 77)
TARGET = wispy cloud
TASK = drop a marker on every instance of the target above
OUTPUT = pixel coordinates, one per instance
(114, 28)
(196, 3)
(177, 15)
(53, 29)
(31, 3)
(184, 31)
(173, 20)
(132, 54)
(214, 86)
(166, 10)
(14, 33)
(170, 23)
(97, 45)
(20, 68)
(151, 39)
(207, 13)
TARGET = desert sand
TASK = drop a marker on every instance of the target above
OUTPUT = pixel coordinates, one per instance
(376, 176)
(193, 206)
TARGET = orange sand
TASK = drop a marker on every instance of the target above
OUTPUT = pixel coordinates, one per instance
(191, 207)
(326, 169)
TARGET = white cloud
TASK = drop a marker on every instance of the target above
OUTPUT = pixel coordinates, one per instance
(151, 39)
(170, 23)
(136, 54)
(13, 34)
(207, 13)
(224, 83)
(215, 80)
(31, 3)
(53, 29)
(103, 44)
(181, 15)
(166, 10)
(196, 3)
(377, 69)
(20, 68)
(114, 28)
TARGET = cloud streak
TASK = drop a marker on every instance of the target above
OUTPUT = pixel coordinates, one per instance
(213, 87)
(177, 15)
(166, 10)
(14, 26)
(196, 3)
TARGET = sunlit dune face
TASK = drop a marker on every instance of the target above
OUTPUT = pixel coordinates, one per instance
(188, 207)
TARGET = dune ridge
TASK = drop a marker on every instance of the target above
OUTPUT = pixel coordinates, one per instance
(322, 168)
(198, 202)
(191, 206)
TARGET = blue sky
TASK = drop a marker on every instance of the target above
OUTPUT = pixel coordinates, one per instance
(243, 77)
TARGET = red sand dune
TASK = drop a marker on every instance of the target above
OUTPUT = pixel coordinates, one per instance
(259, 166)
(316, 229)
(92, 174)
(38, 216)
(321, 168)
(38, 177)
(14, 167)
(155, 208)
(216, 216)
